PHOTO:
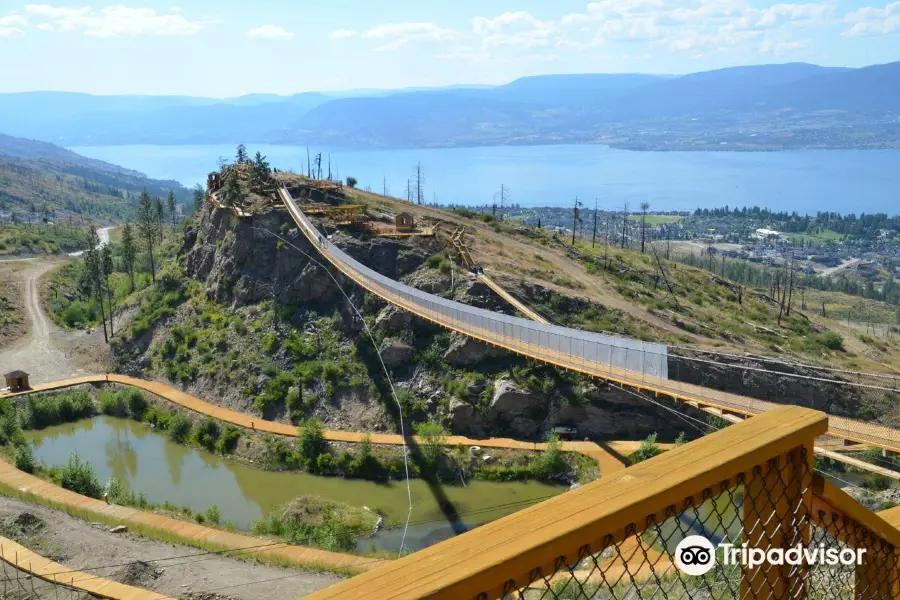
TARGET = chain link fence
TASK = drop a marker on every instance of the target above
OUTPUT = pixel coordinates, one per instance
(766, 510)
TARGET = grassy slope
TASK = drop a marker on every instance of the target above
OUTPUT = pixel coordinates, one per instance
(707, 313)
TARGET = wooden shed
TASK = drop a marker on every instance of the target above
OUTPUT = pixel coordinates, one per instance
(404, 222)
(17, 381)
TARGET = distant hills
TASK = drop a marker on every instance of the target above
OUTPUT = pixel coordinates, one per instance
(753, 107)
(39, 179)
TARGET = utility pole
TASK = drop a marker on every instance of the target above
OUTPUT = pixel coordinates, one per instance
(594, 238)
(384, 185)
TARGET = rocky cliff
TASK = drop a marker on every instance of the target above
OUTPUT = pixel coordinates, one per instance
(261, 325)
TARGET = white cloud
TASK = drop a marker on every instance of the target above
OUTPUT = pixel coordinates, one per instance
(46, 27)
(400, 35)
(10, 32)
(270, 32)
(117, 21)
(871, 21)
(342, 34)
(517, 29)
(695, 26)
(13, 21)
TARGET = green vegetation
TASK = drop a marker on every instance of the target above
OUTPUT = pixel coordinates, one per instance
(657, 219)
(24, 459)
(311, 520)
(77, 475)
(52, 409)
(648, 449)
(41, 238)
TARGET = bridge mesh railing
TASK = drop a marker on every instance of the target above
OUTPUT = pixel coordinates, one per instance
(766, 509)
(579, 348)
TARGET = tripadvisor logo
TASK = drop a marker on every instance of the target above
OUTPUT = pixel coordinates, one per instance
(696, 555)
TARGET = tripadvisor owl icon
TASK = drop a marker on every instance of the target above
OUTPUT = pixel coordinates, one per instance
(695, 555)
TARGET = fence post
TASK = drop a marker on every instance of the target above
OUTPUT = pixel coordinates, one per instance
(776, 506)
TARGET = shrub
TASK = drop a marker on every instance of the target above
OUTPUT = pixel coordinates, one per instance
(137, 404)
(649, 448)
(113, 404)
(79, 477)
(311, 440)
(432, 437)
(43, 411)
(179, 428)
(24, 459)
(365, 464)
(551, 461)
(228, 440)
(351, 181)
(832, 340)
(324, 463)
(877, 481)
(207, 434)
(212, 514)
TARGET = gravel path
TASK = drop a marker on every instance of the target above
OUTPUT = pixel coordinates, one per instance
(140, 561)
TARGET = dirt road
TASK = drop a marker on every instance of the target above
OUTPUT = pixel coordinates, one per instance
(36, 352)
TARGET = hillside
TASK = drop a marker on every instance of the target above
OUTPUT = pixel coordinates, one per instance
(246, 317)
(759, 107)
(43, 181)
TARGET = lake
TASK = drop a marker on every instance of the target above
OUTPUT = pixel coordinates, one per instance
(806, 181)
(147, 462)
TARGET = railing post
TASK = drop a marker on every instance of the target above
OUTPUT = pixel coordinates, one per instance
(776, 507)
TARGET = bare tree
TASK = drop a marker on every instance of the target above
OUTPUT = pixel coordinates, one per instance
(644, 207)
(624, 224)
(594, 237)
(420, 182)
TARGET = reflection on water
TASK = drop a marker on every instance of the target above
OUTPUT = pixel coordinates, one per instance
(146, 461)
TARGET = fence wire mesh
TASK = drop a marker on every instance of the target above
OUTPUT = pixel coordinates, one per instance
(767, 508)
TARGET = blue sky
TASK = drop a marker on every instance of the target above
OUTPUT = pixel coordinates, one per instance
(225, 48)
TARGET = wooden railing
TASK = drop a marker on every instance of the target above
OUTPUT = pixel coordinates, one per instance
(620, 527)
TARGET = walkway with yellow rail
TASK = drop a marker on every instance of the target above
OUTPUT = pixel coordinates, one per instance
(45, 569)
(28, 486)
(701, 397)
(606, 459)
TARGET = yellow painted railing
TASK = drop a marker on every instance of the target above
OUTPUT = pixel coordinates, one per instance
(752, 483)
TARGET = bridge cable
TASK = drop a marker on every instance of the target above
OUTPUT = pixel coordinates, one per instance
(383, 367)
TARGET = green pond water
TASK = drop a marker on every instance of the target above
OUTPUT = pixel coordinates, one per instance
(147, 461)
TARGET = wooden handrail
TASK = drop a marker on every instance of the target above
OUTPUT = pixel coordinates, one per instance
(829, 498)
(484, 559)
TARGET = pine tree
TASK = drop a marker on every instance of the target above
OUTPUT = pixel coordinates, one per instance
(199, 196)
(160, 217)
(260, 169)
(147, 225)
(107, 268)
(129, 252)
(170, 204)
(232, 188)
(93, 267)
(241, 155)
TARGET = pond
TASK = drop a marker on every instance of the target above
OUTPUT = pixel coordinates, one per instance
(149, 463)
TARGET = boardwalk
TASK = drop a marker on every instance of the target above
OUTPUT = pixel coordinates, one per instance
(30, 487)
(36, 565)
(606, 460)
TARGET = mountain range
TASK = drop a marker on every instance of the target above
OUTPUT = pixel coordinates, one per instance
(759, 105)
(39, 178)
